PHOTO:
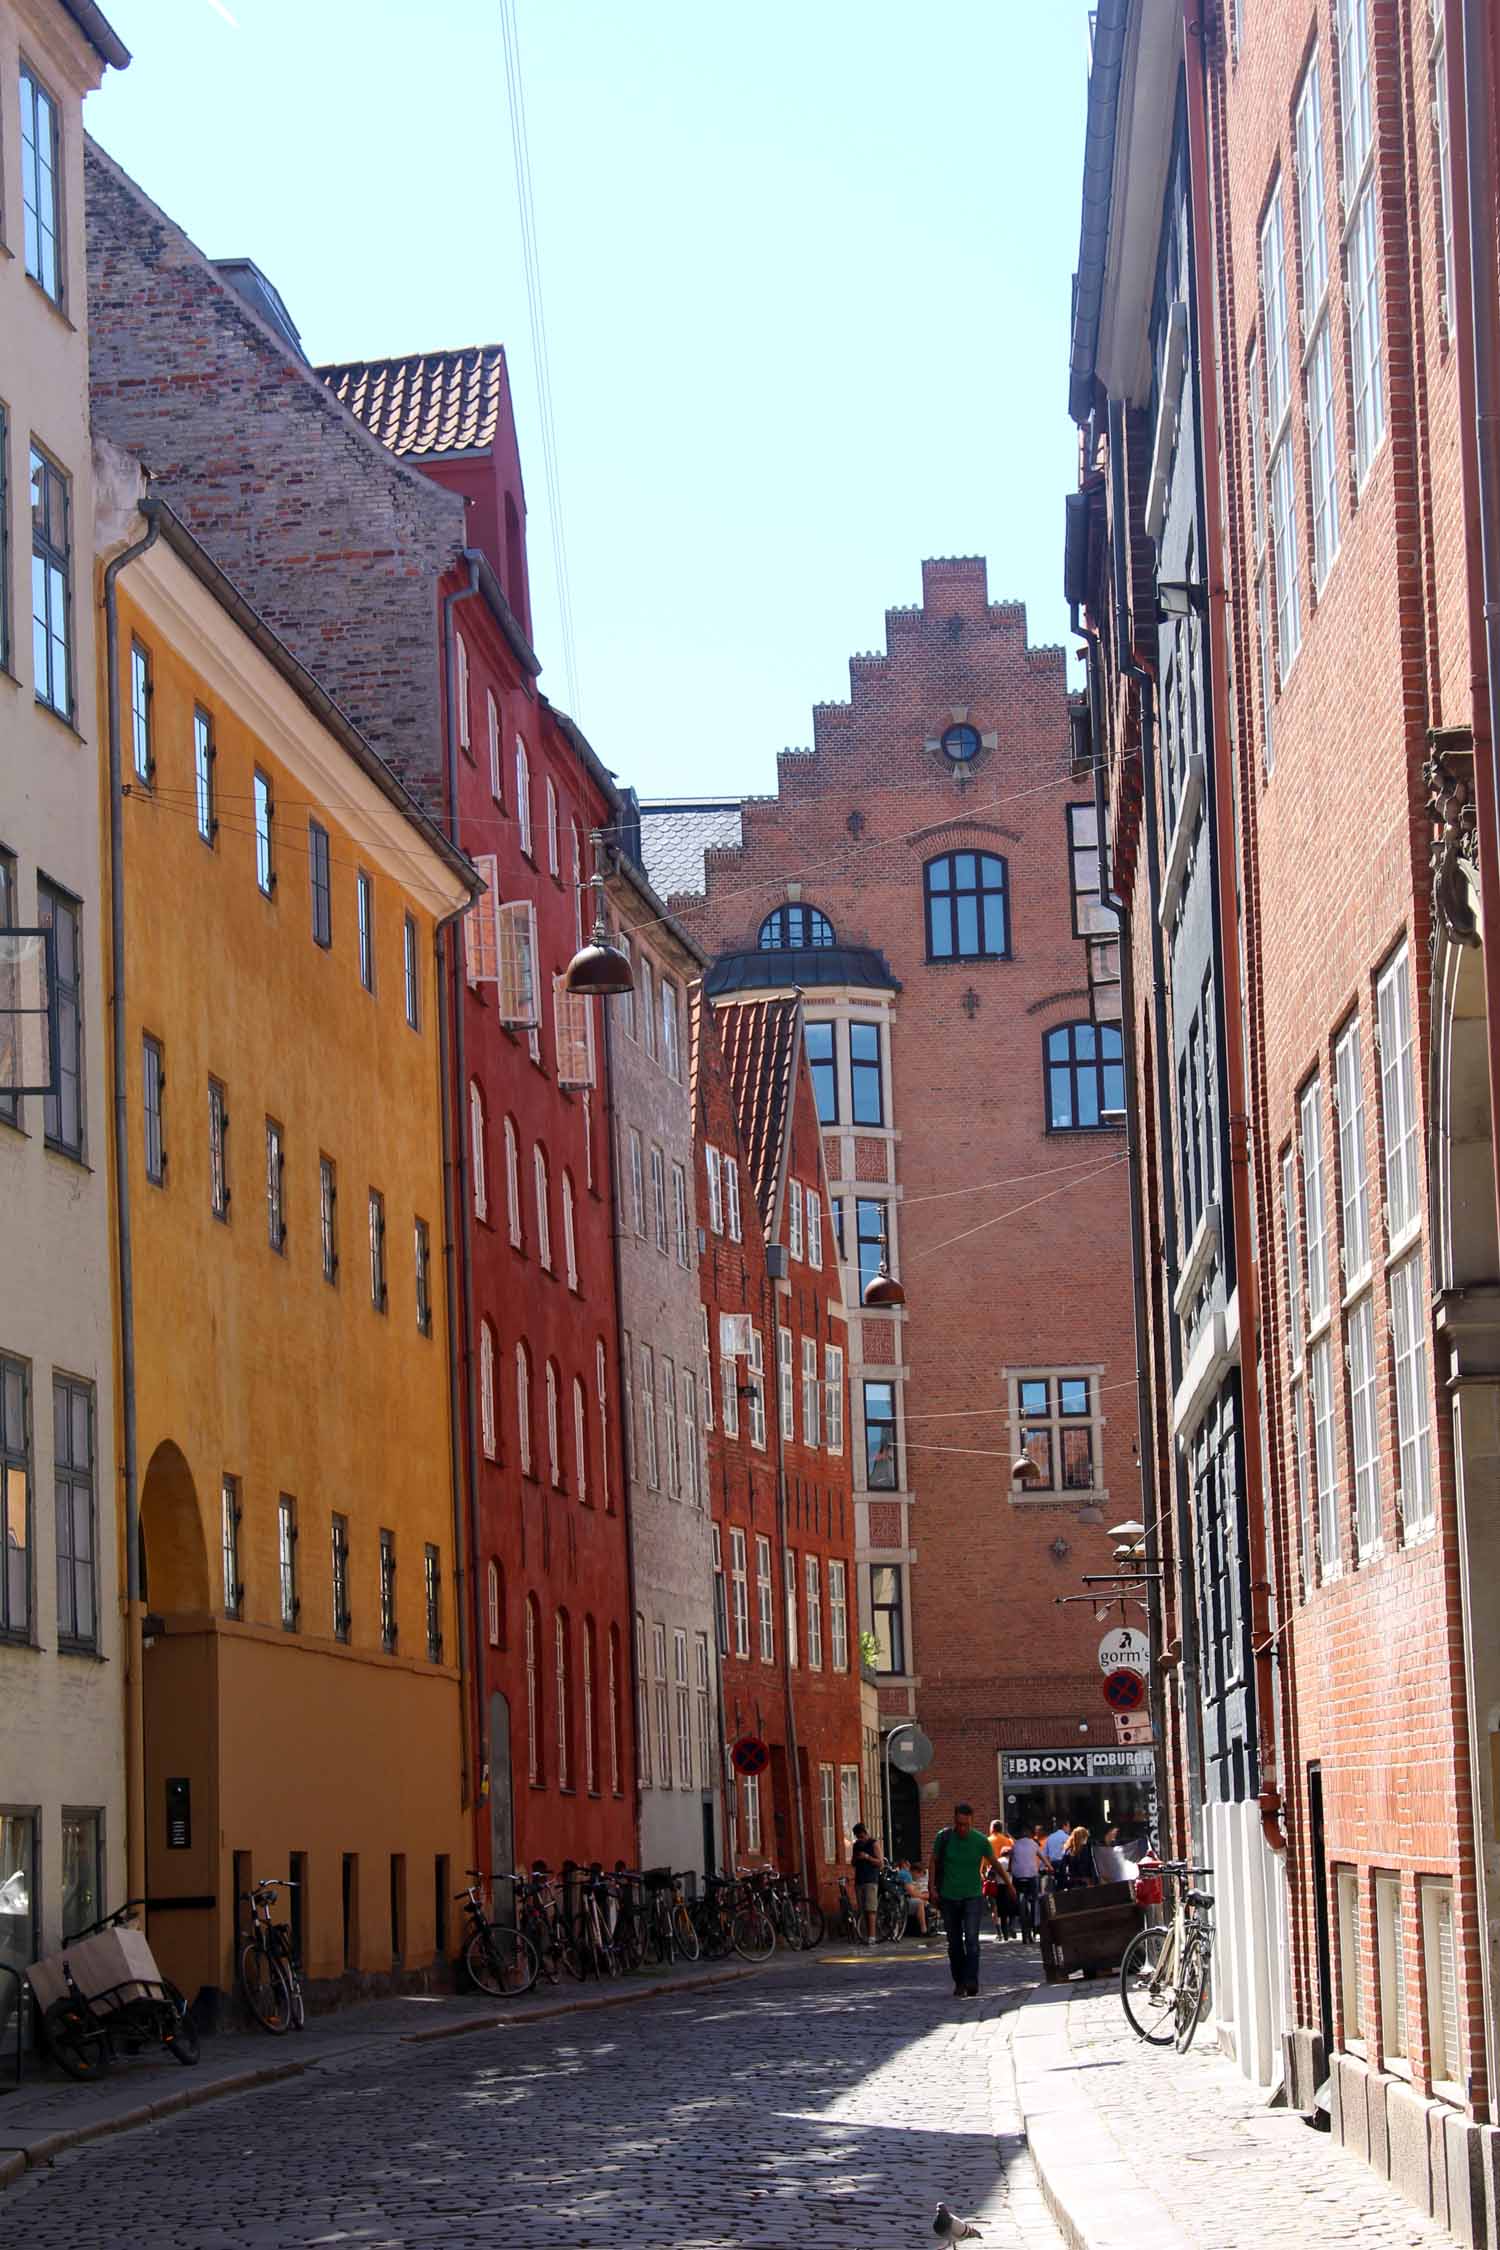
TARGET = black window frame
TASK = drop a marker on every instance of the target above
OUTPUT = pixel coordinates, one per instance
(320, 884)
(53, 549)
(877, 1242)
(57, 908)
(389, 1631)
(276, 1185)
(1053, 1420)
(289, 1600)
(1104, 921)
(860, 1068)
(980, 891)
(219, 1196)
(1078, 1067)
(961, 743)
(205, 794)
(231, 1516)
(895, 1612)
(10, 1104)
(142, 689)
(422, 1241)
(824, 1069)
(411, 956)
(31, 211)
(874, 1452)
(264, 802)
(432, 1595)
(328, 1217)
(364, 914)
(339, 1575)
(380, 1280)
(153, 1108)
(818, 932)
(15, 1461)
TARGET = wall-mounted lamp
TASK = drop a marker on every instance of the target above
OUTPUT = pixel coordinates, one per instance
(1176, 598)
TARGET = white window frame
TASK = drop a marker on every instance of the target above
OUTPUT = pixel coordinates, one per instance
(570, 1232)
(554, 840)
(1443, 135)
(1361, 232)
(1445, 2038)
(541, 1190)
(669, 1427)
(554, 1429)
(812, 1394)
(1354, 1169)
(487, 1389)
(732, 1197)
(814, 1230)
(705, 1345)
(838, 1613)
(1265, 659)
(1399, 1133)
(729, 1376)
(1325, 1471)
(492, 713)
(833, 1402)
(1364, 1424)
(739, 1593)
(714, 1168)
(648, 1415)
(461, 668)
(786, 1383)
(523, 797)
(812, 1571)
(751, 1787)
(1317, 357)
(580, 1440)
(1351, 1980)
(765, 1599)
(794, 1219)
(523, 1408)
(828, 1810)
(637, 1183)
(684, 1708)
(789, 1590)
(1390, 1954)
(1413, 1415)
(1314, 1202)
(681, 1232)
(755, 1375)
(513, 1183)
(692, 1456)
(478, 1169)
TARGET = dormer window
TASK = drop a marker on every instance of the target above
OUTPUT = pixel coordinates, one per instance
(794, 929)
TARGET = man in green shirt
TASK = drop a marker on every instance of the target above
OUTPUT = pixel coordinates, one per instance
(959, 1856)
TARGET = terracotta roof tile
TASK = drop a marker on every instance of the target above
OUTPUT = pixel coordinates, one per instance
(428, 403)
(761, 1040)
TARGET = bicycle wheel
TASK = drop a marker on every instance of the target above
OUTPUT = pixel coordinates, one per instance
(293, 1977)
(74, 2040)
(500, 1962)
(814, 1924)
(183, 2041)
(265, 1988)
(1146, 1994)
(549, 1959)
(751, 1934)
(890, 1922)
(684, 1936)
(1192, 1993)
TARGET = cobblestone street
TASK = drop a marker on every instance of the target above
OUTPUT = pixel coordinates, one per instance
(830, 2101)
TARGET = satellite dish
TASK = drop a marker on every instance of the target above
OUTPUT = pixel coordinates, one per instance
(913, 1753)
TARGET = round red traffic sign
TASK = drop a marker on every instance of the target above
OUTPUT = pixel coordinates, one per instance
(750, 1755)
(1124, 1691)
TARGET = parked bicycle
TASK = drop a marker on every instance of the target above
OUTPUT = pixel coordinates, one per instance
(1165, 1974)
(98, 1998)
(500, 1959)
(540, 1918)
(270, 1974)
(670, 1934)
(729, 1919)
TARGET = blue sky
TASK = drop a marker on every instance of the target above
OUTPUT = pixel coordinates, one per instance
(806, 273)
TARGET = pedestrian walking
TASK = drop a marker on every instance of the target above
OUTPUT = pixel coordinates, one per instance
(866, 1862)
(1056, 1846)
(960, 1855)
(999, 1890)
(1027, 1860)
(1078, 1868)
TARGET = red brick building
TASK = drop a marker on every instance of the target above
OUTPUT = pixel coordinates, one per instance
(925, 878)
(375, 515)
(776, 1388)
(1325, 616)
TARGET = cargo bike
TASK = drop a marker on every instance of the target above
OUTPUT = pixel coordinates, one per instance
(103, 1994)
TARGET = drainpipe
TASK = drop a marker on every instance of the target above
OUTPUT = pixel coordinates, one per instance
(135, 1701)
(441, 937)
(457, 1142)
(1109, 896)
(627, 1512)
(1246, 1267)
(1145, 683)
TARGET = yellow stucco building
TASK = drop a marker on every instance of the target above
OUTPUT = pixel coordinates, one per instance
(295, 1704)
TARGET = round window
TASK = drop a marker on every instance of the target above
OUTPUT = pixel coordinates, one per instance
(961, 744)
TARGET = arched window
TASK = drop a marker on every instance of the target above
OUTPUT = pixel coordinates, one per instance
(570, 1232)
(513, 1181)
(580, 1442)
(613, 1690)
(562, 1662)
(496, 1591)
(461, 687)
(533, 1694)
(961, 744)
(477, 1165)
(523, 794)
(487, 1389)
(554, 1440)
(601, 1385)
(590, 1726)
(543, 1215)
(523, 1408)
(794, 928)
(968, 907)
(1085, 1074)
(492, 715)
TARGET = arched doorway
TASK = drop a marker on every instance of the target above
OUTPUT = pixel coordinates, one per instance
(180, 1694)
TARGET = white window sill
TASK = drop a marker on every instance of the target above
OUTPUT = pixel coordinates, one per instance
(1319, 1328)
(1355, 1288)
(1401, 1244)
(1329, 1574)
(1444, 2090)
(1200, 1253)
(1418, 1534)
(1396, 2066)
(1374, 1553)
(1184, 828)
(1060, 1499)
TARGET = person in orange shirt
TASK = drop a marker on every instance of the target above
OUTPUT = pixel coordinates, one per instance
(999, 1890)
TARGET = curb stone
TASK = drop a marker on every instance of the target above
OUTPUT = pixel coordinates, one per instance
(16, 2161)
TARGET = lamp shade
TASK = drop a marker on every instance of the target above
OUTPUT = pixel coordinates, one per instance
(882, 1290)
(599, 968)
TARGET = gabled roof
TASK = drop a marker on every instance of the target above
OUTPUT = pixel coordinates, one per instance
(762, 1043)
(428, 403)
(677, 831)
